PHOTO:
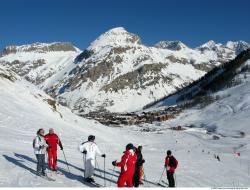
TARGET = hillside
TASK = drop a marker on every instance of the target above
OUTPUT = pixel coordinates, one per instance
(220, 77)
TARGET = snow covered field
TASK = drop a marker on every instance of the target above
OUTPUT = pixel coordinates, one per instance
(23, 110)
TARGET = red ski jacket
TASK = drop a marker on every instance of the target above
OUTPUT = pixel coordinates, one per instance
(52, 140)
(171, 163)
(127, 163)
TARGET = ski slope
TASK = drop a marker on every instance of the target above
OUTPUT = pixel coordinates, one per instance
(23, 111)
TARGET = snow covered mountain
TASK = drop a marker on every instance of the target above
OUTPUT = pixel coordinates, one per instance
(39, 62)
(117, 72)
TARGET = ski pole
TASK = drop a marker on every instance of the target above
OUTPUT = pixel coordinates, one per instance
(98, 167)
(175, 179)
(145, 178)
(104, 177)
(66, 160)
(113, 172)
(85, 163)
(161, 175)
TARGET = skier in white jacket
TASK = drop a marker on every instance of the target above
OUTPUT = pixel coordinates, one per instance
(39, 145)
(89, 150)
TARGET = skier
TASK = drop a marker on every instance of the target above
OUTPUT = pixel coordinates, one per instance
(52, 140)
(40, 146)
(90, 149)
(137, 179)
(171, 164)
(127, 165)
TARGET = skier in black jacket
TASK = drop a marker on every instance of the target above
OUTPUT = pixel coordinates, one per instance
(137, 179)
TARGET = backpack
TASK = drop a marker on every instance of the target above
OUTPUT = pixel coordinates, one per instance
(172, 162)
(34, 142)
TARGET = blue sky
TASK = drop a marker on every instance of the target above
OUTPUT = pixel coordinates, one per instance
(81, 21)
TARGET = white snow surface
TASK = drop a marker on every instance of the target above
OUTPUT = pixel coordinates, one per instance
(23, 111)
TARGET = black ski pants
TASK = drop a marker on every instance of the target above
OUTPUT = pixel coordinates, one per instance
(136, 178)
(170, 176)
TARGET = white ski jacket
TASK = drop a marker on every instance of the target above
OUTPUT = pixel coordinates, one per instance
(40, 145)
(91, 148)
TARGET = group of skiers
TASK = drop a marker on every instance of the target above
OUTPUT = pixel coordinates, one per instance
(131, 163)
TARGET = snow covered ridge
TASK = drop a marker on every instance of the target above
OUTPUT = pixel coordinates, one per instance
(39, 62)
(39, 48)
(172, 45)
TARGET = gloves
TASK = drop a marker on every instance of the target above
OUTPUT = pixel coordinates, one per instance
(114, 163)
(143, 161)
(40, 147)
(84, 152)
(103, 155)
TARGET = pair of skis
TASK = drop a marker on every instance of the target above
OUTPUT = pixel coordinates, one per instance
(94, 184)
(165, 184)
(48, 177)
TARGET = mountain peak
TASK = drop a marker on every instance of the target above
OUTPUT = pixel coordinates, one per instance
(172, 45)
(237, 46)
(115, 37)
(117, 30)
(208, 44)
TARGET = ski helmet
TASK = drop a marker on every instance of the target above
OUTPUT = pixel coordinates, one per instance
(129, 146)
(91, 138)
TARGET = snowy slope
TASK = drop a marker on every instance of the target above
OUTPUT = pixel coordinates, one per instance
(231, 107)
(23, 110)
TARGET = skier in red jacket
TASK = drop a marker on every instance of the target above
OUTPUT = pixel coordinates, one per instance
(171, 164)
(127, 165)
(52, 141)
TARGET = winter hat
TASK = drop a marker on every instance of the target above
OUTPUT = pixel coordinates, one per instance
(91, 138)
(129, 146)
(169, 152)
(139, 147)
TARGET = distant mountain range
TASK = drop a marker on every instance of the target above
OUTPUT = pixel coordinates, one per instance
(117, 72)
